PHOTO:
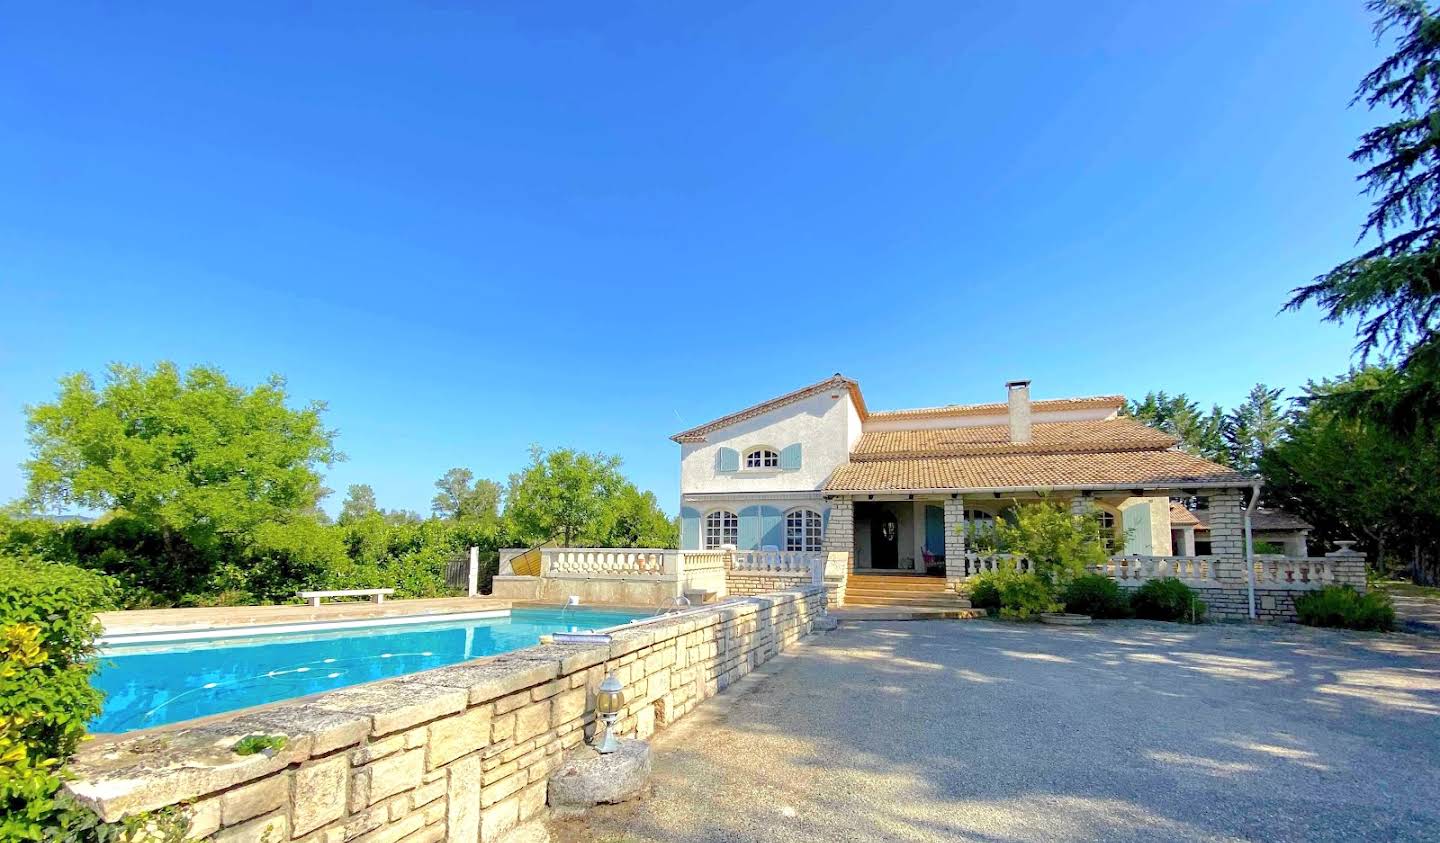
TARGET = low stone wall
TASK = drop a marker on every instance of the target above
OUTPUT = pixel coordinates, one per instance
(1228, 603)
(747, 583)
(618, 591)
(459, 753)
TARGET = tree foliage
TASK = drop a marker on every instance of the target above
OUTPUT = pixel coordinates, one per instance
(359, 502)
(1393, 287)
(1356, 477)
(1201, 434)
(1060, 545)
(578, 498)
(192, 456)
(461, 496)
(1253, 427)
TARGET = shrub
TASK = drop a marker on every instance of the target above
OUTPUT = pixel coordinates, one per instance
(1345, 608)
(1095, 595)
(1023, 596)
(985, 589)
(1060, 545)
(1167, 599)
(47, 633)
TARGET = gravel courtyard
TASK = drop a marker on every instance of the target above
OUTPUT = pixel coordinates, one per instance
(987, 731)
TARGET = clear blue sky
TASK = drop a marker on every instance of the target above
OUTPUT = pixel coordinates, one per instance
(472, 227)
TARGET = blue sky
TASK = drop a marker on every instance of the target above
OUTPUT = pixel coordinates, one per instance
(473, 227)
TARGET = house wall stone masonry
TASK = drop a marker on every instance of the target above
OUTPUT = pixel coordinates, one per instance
(459, 753)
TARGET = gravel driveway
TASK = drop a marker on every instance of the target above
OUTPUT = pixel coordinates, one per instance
(987, 731)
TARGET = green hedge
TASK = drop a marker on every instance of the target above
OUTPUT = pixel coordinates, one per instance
(1167, 599)
(1014, 594)
(47, 633)
(1095, 595)
(1345, 608)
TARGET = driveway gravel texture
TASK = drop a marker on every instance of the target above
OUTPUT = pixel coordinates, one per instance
(993, 731)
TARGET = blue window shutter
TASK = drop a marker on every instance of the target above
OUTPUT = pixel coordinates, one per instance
(935, 530)
(689, 528)
(772, 527)
(727, 459)
(790, 458)
(824, 520)
(749, 536)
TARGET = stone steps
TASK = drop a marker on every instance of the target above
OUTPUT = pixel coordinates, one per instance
(901, 591)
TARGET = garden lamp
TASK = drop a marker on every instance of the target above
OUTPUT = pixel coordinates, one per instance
(609, 700)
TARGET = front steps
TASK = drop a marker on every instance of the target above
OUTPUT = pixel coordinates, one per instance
(900, 591)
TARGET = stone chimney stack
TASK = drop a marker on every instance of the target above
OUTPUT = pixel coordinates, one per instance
(1019, 410)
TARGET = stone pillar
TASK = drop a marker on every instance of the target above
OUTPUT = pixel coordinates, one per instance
(1227, 533)
(917, 533)
(954, 542)
(840, 530)
(1079, 505)
(1347, 565)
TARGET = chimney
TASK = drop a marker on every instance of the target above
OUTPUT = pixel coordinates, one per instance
(1019, 410)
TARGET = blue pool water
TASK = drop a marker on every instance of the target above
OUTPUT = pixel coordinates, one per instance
(153, 684)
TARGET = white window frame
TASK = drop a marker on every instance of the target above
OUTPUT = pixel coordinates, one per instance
(766, 459)
(719, 528)
(807, 533)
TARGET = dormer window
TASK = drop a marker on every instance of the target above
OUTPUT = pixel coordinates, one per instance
(762, 458)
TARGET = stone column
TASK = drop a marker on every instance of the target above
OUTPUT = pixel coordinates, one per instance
(1227, 533)
(840, 530)
(1079, 505)
(954, 542)
(917, 533)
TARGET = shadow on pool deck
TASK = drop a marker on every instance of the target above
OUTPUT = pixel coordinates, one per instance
(999, 732)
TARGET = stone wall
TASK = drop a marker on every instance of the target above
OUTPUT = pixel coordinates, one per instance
(749, 583)
(954, 542)
(459, 753)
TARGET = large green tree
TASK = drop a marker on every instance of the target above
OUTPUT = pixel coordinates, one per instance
(461, 496)
(359, 503)
(1354, 477)
(1393, 286)
(581, 499)
(1201, 434)
(1255, 426)
(193, 460)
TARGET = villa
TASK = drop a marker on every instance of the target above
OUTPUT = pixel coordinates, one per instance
(816, 470)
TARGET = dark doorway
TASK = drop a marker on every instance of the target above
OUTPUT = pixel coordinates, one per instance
(884, 540)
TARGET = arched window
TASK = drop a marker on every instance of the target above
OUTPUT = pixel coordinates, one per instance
(802, 530)
(762, 458)
(721, 528)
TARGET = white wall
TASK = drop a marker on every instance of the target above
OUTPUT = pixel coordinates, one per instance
(825, 427)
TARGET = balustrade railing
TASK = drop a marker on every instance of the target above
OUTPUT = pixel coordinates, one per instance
(982, 563)
(776, 561)
(1299, 573)
(585, 561)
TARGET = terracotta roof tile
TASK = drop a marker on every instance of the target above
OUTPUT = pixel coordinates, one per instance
(1051, 405)
(1182, 517)
(1119, 434)
(1140, 469)
(836, 381)
(1262, 519)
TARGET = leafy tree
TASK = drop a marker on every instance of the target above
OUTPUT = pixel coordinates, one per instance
(402, 516)
(1253, 427)
(1355, 477)
(575, 497)
(461, 496)
(1059, 545)
(359, 503)
(194, 457)
(1393, 287)
(1201, 434)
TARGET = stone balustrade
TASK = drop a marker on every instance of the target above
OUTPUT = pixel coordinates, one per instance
(559, 561)
(778, 561)
(974, 564)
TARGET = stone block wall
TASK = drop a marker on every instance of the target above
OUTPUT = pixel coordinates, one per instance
(954, 543)
(459, 753)
(751, 583)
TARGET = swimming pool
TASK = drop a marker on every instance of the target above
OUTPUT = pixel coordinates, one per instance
(154, 683)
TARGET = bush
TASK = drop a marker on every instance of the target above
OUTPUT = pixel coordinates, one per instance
(47, 634)
(1343, 607)
(1167, 599)
(985, 589)
(1095, 595)
(1023, 596)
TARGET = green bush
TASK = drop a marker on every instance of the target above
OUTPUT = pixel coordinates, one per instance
(47, 634)
(985, 589)
(1167, 599)
(1095, 595)
(1343, 607)
(1023, 596)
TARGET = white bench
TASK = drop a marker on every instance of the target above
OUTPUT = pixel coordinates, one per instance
(376, 594)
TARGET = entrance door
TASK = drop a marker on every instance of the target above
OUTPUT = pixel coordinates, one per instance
(884, 540)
